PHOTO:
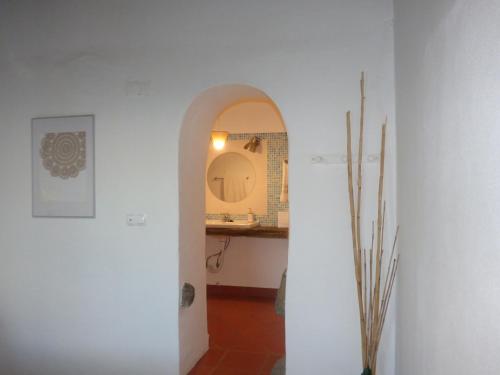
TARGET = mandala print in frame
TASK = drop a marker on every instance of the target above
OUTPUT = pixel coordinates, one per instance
(63, 154)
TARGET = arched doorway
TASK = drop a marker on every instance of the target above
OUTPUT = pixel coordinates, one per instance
(195, 134)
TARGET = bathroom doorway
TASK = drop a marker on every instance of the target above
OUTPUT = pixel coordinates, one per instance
(233, 231)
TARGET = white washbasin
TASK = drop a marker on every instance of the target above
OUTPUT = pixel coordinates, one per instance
(237, 224)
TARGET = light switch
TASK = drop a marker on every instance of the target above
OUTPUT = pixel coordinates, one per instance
(136, 219)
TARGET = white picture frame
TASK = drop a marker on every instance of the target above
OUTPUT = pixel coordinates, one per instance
(63, 169)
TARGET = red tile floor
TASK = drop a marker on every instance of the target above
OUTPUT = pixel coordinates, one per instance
(246, 337)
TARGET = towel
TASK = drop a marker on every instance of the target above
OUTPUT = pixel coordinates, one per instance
(284, 183)
(234, 187)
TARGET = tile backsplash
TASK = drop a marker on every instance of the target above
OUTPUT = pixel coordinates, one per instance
(277, 151)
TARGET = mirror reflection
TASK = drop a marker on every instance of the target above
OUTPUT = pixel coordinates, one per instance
(231, 177)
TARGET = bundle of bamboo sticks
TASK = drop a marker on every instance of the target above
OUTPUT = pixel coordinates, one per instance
(373, 289)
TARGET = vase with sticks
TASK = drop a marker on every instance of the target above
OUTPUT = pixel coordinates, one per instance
(373, 288)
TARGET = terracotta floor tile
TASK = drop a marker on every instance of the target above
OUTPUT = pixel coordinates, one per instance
(212, 357)
(202, 370)
(246, 337)
(243, 361)
(226, 371)
(269, 364)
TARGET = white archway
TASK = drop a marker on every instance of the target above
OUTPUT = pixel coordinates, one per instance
(193, 147)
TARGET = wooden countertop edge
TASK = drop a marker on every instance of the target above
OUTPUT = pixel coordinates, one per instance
(262, 232)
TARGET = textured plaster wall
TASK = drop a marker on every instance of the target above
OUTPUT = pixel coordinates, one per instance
(98, 297)
(448, 89)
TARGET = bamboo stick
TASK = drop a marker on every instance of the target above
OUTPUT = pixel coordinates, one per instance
(364, 281)
(376, 297)
(382, 234)
(391, 257)
(354, 240)
(373, 297)
(389, 291)
(360, 159)
(365, 295)
(388, 298)
(369, 332)
(359, 181)
(351, 190)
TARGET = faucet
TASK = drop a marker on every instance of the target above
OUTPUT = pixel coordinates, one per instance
(226, 218)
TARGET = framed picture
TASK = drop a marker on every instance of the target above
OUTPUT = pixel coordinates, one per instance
(63, 166)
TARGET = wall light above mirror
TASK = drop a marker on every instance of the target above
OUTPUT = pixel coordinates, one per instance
(219, 139)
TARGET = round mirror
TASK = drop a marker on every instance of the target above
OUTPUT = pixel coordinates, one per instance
(231, 177)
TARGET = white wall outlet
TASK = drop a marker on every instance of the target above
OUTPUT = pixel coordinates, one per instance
(136, 219)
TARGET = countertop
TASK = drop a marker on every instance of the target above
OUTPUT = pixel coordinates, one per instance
(260, 231)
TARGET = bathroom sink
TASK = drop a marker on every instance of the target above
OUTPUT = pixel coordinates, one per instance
(237, 224)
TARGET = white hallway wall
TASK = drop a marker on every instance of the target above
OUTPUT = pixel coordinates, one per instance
(97, 297)
(448, 87)
(253, 262)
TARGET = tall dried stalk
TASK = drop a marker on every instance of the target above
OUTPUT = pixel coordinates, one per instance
(373, 296)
